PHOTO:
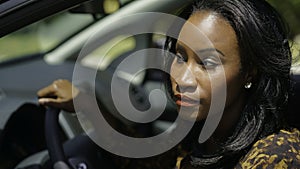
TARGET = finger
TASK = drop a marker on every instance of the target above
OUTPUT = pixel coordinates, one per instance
(51, 102)
(47, 91)
(57, 103)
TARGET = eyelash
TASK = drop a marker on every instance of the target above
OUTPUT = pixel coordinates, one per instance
(207, 63)
(180, 58)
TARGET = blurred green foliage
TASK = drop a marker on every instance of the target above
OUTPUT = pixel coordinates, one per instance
(290, 11)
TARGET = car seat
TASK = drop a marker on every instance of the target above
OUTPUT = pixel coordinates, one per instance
(293, 111)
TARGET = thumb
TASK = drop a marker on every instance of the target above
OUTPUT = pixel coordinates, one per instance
(57, 103)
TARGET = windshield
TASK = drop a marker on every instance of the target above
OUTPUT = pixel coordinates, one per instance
(42, 36)
(48, 33)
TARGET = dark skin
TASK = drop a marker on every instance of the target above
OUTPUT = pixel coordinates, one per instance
(197, 66)
(200, 63)
(59, 94)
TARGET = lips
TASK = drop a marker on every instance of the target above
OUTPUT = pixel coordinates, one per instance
(182, 100)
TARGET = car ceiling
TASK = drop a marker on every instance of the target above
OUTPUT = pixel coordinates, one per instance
(15, 14)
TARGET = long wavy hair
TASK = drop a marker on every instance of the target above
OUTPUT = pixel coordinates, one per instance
(263, 45)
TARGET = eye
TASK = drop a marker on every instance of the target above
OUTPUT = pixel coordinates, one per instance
(210, 62)
(180, 58)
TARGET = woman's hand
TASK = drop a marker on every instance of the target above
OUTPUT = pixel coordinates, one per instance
(59, 94)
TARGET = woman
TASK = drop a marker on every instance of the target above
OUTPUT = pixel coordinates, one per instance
(251, 41)
(248, 48)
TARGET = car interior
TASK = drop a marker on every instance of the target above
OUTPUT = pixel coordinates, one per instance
(23, 143)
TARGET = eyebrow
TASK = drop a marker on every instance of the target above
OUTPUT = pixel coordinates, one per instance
(210, 50)
(202, 50)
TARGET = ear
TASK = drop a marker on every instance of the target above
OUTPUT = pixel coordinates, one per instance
(251, 75)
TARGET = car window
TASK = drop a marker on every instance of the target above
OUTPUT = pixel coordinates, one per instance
(46, 34)
(109, 51)
(42, 36)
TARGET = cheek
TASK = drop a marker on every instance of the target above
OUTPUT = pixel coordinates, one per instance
(225, 84)
(173, 84)
(177, 72)
(176, 69)
(234, 82)
(173, 74)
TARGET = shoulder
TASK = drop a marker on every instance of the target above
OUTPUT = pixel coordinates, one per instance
(280, 150)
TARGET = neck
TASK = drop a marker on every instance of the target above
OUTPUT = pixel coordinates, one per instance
(225, 128)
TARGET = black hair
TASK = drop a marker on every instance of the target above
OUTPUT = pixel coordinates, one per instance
(263, 45)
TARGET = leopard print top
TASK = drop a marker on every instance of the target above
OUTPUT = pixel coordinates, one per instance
(276, 151)
(280, 151)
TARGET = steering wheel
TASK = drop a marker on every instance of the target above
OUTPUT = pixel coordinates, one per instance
(81, 152)
(55, 148)
(77, 153)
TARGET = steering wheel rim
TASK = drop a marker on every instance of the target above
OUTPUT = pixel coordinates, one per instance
(54, 146)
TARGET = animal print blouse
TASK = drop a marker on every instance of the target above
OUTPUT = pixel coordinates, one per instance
(280, 151)
(276, 151)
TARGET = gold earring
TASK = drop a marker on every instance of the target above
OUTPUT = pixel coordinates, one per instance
(248, 85)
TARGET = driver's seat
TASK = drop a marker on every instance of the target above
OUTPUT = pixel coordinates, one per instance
(293, 112)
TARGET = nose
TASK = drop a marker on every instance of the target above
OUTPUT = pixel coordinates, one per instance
(186, 81)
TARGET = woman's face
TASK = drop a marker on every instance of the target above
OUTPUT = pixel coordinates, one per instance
(199, 63)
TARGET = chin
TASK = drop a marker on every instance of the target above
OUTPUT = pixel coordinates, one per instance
(191, 114)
